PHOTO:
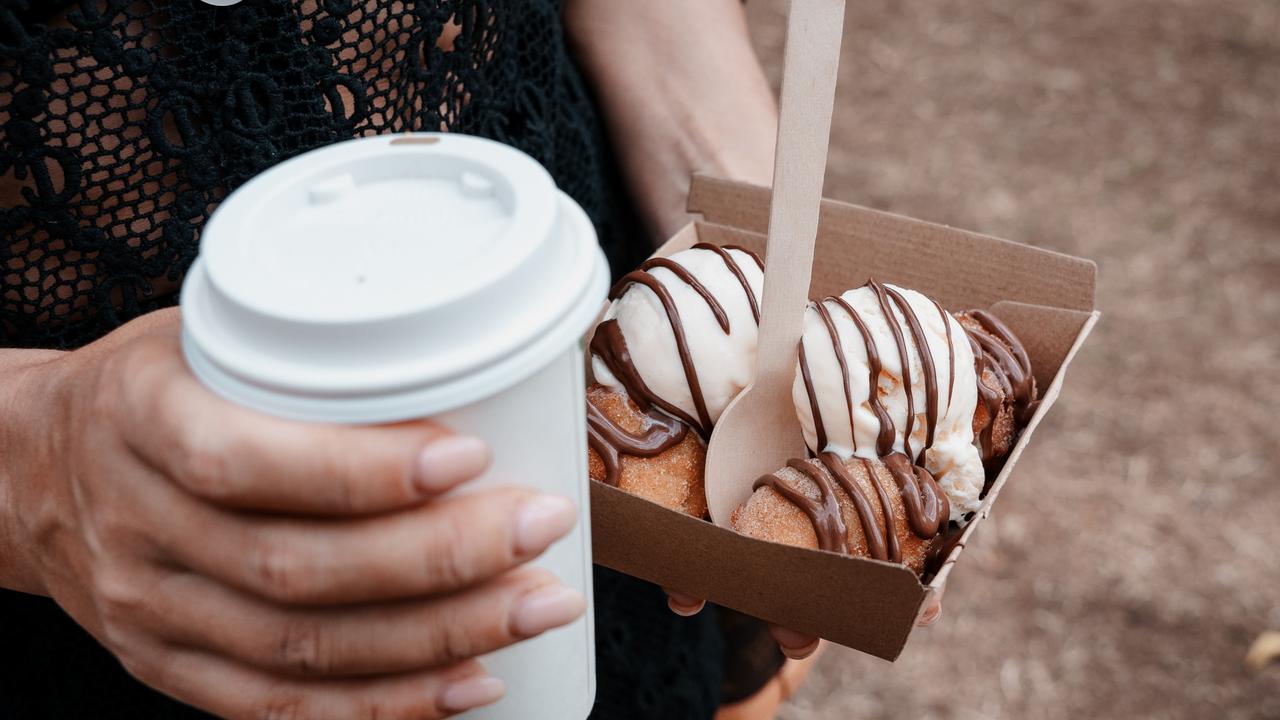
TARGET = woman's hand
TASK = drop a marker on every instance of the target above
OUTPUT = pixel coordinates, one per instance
(257, 567)
(795, 645)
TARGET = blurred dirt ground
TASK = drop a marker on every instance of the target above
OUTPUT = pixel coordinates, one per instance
(1136, 553)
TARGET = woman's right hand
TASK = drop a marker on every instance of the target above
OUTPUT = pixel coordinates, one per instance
(260, 568)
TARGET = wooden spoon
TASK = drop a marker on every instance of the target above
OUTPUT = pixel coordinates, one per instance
(758, 432)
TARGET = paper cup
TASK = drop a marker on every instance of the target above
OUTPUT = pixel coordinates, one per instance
(419, 276)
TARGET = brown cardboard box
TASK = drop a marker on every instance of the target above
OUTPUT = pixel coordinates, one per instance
(1046, 297)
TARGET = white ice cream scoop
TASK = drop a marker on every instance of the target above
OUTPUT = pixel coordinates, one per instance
(884, 369)
(681, 332)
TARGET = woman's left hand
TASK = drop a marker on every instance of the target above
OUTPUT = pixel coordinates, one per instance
(795, 645)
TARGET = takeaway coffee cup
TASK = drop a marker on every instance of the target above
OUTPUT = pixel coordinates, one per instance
(419, 276)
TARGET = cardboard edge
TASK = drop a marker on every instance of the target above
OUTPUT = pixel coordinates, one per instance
(895, 624)
(746, 207)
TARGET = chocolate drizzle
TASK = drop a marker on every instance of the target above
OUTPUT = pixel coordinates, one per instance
(610, 440)
(925, 505)
(905, 361)
(1016, 366)
(818, 428)
(997, 349)
(610, 346)
(830, 323)
(951, 356)
(991, 398)
(732, 264)
(828, 520)
(930, 373)
(928, 508)
(687, 277)
(642, 277)
(882, 541)
(884, 440)
(887, 298)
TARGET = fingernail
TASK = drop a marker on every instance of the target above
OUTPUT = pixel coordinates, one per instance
(472, 692)
(546, 608)
(800, 653)
(795, 645)
(684, 610)
(450, 460)
(542, 521)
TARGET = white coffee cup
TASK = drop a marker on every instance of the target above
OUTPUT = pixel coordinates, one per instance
(420, 276)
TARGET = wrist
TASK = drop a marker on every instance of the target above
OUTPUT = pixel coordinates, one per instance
(681, 91)
(31, 402)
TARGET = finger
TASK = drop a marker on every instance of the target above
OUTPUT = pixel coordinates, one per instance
(364, 640)
(684, 605)
(243, 459)
(234, 691)
(795, 645)
(932, 612)
(446, 545)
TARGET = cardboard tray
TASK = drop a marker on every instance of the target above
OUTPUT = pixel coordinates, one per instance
(1047, 298)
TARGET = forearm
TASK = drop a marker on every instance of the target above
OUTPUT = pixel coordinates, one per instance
(682, 91)
(22, 375)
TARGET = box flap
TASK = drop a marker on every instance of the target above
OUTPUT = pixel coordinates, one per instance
(865, 604)
(956, 267)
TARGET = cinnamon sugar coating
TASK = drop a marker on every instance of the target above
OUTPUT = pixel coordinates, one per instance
(767, 515)
(673, 478)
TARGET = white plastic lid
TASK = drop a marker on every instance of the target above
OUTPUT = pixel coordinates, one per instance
(389, 278)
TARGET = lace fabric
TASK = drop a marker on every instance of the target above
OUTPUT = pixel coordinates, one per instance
(124, 122)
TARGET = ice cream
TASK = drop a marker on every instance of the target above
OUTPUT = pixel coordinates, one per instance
(918, 359)
(680, 335)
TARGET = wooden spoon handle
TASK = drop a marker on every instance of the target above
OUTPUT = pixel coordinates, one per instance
(811, 61)
(758, 431)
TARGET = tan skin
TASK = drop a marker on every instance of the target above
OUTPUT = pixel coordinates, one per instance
(259, 568)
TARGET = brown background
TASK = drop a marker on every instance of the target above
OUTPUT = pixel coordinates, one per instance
(1136, 554)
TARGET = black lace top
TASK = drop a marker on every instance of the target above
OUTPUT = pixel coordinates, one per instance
(124, 122)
